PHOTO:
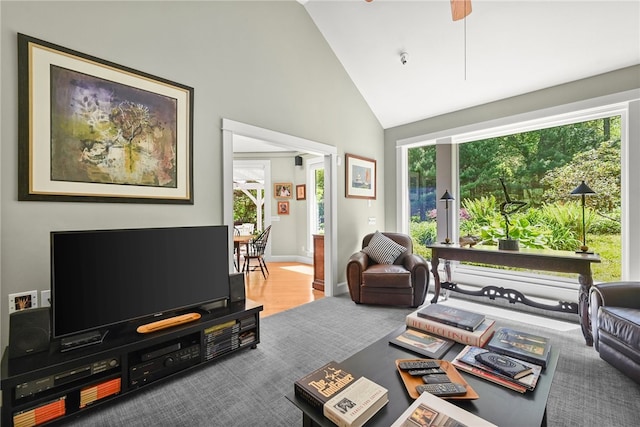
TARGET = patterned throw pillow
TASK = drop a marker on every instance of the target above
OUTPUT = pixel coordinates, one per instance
(382, 249)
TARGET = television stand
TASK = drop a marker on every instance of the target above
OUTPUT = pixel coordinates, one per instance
(167, 323)
(54, 387)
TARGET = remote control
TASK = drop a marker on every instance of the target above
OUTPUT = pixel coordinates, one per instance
(448, 389)
(421, 372)
(436, 379)
(418, 364)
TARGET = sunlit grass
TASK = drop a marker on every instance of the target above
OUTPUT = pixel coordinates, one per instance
(609, 247)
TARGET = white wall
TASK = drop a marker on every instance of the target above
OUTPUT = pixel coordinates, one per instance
(262, 63)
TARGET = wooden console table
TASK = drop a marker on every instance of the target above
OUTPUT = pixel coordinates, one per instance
(534, 259)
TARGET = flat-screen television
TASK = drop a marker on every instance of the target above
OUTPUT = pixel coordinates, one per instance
(102, 278)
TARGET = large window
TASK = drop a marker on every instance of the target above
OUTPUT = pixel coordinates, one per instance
(422, 197)
(539, 168)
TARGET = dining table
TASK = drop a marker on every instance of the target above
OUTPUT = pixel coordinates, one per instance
(237, 242)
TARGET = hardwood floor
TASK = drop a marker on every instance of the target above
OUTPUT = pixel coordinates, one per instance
(288, 285)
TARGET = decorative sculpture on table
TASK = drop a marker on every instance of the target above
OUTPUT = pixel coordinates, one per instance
(507, 208)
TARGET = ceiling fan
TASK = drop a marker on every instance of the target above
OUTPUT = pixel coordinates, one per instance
(459, 8)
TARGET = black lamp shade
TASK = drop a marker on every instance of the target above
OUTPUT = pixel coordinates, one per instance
(582, 189)
(446, 196)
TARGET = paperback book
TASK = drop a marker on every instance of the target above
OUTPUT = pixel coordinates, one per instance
(466, 361)
(320, 385)
(457, 317)
(422, 343)
(479, 337)
(521, 345)
(356, 404)
(430, 410)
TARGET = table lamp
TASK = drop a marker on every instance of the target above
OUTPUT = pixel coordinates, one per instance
(446, 197)
(583, 190)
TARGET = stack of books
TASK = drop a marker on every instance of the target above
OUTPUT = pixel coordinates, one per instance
(466, 361)
(521, 345)
(455, 324)
(348, 400)
(514, 359)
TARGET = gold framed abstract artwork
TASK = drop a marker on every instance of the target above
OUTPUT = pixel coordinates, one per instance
(91, 130)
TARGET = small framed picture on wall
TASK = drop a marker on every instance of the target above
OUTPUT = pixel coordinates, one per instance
(301, 192)
(283, 208)
(360, 177)
(283, 190)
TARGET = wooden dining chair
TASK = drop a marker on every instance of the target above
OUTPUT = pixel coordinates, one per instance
(255, 250)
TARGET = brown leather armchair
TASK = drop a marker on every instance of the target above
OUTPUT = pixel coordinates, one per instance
(403, 283)
(615, 325)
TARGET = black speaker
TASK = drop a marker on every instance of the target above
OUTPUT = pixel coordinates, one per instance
(29, 331)
(298, 160)
(236, 287)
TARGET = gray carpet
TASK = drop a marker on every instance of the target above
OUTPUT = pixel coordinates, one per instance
(246, 389)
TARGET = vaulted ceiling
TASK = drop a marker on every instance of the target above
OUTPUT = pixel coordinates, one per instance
(502, 49)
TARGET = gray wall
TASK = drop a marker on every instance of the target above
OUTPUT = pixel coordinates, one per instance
(261, 63)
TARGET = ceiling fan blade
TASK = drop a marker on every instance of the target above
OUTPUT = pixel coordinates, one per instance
(460, 9)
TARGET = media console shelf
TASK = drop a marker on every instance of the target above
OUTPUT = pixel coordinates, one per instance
(48, 387)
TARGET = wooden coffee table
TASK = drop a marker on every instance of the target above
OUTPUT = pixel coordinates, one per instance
(496, 404)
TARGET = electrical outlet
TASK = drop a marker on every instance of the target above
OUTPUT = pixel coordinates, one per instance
(45, 298)
(22, 300)
(372, 220)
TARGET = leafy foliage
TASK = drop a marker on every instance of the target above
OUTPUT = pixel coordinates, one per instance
(601, 165)
(423, 234)
(244, 210)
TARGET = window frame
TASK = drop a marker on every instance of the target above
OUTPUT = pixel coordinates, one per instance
(312, 165)
(625, 104)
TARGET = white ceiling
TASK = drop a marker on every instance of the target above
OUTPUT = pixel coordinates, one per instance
(511, 47)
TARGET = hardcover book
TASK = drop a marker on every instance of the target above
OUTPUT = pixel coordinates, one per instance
(317, 387)
(489, 376)
(521, 345)
(430, 410)
(479, 337)
(356, 404)
(466, 361)
(504, 364)
(422, 343)
(457, 317)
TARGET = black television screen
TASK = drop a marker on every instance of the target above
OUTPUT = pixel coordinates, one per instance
(106, 277)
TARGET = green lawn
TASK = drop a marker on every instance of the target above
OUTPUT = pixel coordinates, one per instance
(609, 247)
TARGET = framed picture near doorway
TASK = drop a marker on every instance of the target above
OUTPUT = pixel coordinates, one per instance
(283, 190)
(360, 177)
(283, 208)
(301, 192)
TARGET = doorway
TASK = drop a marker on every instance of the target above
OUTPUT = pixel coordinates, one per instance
(232, 130)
